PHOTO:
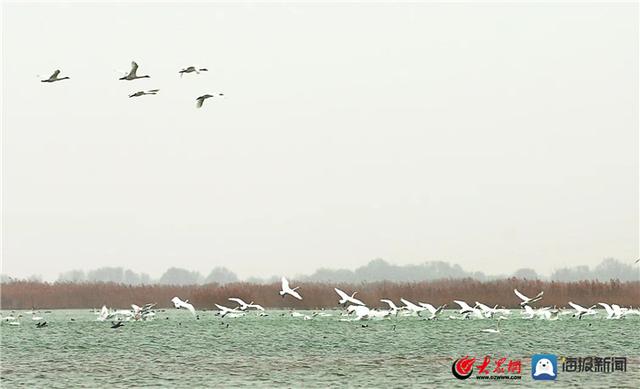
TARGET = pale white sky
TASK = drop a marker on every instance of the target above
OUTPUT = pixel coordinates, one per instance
(496, 136)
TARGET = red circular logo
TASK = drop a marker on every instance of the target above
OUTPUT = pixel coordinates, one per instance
(462, 368)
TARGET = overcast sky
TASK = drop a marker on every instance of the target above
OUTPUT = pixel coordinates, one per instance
(495, 136)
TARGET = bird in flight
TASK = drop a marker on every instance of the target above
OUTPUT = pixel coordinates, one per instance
(192, 69)
(287, 290)
(54, 77)
(200, 100)
(132, 73)
(142, 93)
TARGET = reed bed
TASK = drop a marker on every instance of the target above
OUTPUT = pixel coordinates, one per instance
(44, 295)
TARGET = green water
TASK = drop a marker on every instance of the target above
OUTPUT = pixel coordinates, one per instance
(285, 351)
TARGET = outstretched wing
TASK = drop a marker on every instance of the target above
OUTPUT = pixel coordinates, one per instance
(190, 308)
(199, 102)
(54, 75)
(576, 307)
(607, 308)
(237, 300)
(390, 303)
(522, 297)
(343, 295)
(134, 69)
(285, 282)
(295, 294)
(429, 307)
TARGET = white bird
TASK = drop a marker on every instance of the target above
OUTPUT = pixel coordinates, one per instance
(611, 314)
(192, 69)
(623, 312)
(142, 93)
(582, 311)
(392, 306)
(362, 312)
(244, 306)
(287, 290)
(435, 312)
(183, 304)
(488, 312)
(224, 311)
(345, 298)
(411, 307)
(104, 313)
(132, 73)
(526, 300)
(467, 310)
(54, 77)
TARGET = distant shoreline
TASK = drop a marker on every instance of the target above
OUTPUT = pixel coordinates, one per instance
(316, 295)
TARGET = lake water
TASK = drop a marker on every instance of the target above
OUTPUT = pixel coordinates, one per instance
(175, 350)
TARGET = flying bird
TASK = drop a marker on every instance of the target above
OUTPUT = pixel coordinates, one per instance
(345, 298)
(132, 73)
(192, 69)
(526, 300)
(224, 311)
(433, 310)
(392, 306)
(200, 100)
(412, 307)
(244, 306)
(183, 304)
(54, 77)
(287, 290)
(142, 93)
(582, 311)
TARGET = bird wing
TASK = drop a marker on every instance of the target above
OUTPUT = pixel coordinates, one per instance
(190, 308)
(410, 305)
(522, 297)
(237, 300)
(54, 75)
(616, 309)
(356, 301)
(295, 294)
(607, 308)
(134, 68)
(285, 282)
(256, 306)
(577, 307)
(390, 303)
(429, 307)
(176, 302)
(462, 304)
(539, 295)
(199, 101)
(343, 295)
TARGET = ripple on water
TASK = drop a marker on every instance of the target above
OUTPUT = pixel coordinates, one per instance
(281, 351)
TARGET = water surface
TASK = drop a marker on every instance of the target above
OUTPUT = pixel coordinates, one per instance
(175, 350)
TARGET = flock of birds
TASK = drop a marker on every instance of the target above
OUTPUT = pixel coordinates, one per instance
(357, 310)
(133, 75)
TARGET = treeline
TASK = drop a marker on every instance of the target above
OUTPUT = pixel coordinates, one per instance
(316, 295)
(375, 271)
